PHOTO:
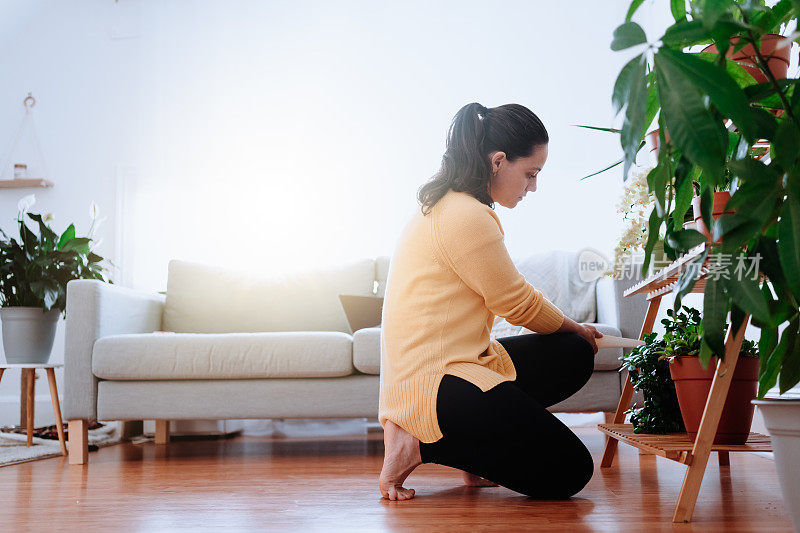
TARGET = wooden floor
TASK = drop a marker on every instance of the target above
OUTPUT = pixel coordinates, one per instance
(248, 483)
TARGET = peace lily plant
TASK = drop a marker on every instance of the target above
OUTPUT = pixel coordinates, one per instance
(34, 273)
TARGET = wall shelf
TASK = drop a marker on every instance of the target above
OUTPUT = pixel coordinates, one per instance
(25, 183)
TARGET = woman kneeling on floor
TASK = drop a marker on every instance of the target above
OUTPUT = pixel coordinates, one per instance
(448, 394)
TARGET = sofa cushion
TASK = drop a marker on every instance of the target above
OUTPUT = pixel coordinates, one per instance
(166, 355)
(208, 299)
(367, 350)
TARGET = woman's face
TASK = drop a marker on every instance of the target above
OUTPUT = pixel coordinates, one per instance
(511, 180)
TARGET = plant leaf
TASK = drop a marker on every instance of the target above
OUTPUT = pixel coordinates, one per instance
(710, 11)
(609, 167)
(759, 194)
(767, 249)
(78, 244)
(683, 199)
(715, 312)
(769, 372)
(678, 9)
(717, 83)
(685, 33)
(598, 128)
(657, 181)
(790, 368)
(705, 354)
(632, 9)
(68, 234)
(785, 145)
(765, 123)
(633, 125)
(653, 104)
(789, 243)
(688, 278)
(685, 239)
(746, 294)
(691, 126)
(653, 228)
(760, 91)
(627, 35)
(622, 86)
(766, 344)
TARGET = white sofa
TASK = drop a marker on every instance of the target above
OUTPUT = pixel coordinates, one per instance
(225, 344)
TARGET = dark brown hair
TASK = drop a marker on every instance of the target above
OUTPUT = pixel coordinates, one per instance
(477, 131)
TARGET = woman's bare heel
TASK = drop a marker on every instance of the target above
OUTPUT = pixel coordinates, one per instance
(401, 457)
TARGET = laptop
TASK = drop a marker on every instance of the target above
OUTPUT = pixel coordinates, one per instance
(362, 311)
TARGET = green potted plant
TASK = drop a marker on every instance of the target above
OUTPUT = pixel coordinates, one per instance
(648, 368)
(682, 340)
(34, 272)
(719, 118)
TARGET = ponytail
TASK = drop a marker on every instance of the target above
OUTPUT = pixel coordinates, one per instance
(474, 133)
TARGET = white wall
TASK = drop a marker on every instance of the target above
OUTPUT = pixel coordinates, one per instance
(293, 134)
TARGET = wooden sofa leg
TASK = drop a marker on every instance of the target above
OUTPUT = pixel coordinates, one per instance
(78, 442)
(162, 432)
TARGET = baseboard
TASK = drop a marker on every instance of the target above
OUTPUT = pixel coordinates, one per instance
(43, 411)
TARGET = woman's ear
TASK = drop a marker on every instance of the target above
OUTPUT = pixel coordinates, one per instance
(495, 159)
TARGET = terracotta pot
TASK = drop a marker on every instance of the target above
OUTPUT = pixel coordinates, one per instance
(693, 384)
(777, 58)
(652, 140)
(717, 210)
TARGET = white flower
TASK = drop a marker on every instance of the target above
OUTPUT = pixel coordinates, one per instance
(95, 224)
(93, 210)
(48, 216)
(26, 203)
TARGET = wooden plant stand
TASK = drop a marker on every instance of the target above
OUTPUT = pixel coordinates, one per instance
(679, 446)
(30, 369)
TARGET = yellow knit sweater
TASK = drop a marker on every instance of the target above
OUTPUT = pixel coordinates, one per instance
(449, 276)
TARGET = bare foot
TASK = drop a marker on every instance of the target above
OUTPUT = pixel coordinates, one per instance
(401, 457)
(471, 480)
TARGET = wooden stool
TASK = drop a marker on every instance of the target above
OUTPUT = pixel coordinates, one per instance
(30, 369)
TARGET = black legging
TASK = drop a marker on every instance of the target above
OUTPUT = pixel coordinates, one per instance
(505, 434)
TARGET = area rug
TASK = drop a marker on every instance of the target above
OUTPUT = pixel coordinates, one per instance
(13, 449)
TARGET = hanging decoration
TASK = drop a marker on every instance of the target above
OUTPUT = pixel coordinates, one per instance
(24, 164)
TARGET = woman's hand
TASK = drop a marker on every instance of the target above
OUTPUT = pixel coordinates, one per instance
(586, 331)
(590, 333)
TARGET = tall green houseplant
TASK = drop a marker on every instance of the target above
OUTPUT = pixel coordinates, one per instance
(711, 114)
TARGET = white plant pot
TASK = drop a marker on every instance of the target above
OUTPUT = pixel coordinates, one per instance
(28, 334)
(782, 418)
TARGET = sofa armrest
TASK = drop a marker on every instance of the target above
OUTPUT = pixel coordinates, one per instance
(96, 309)
(627, 314)
(606, 301)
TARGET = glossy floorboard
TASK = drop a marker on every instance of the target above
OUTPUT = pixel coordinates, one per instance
(331, 484)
